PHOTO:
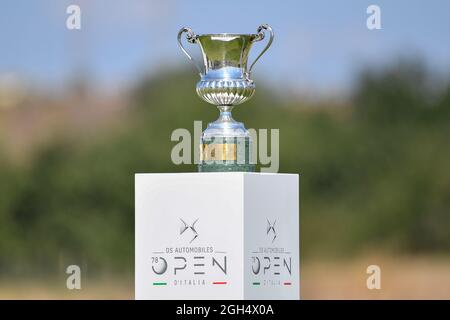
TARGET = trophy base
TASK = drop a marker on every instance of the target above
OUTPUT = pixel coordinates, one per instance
(226, 146)
(226, 154)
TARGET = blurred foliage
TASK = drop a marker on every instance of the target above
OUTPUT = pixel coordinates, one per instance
(374, 173)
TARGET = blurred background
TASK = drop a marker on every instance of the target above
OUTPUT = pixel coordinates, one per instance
(364, 117)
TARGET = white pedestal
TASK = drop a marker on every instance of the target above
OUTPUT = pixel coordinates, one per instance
(217, 236)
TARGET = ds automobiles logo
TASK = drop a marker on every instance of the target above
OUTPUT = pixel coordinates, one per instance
(185, 226)
(271, 228)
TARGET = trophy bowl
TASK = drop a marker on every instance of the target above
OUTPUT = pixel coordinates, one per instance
(225, 82)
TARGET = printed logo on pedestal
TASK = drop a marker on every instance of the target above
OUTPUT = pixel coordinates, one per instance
(187, 264)
(271, 264)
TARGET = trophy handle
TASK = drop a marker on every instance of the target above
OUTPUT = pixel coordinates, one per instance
(259, 37)
(191, 37)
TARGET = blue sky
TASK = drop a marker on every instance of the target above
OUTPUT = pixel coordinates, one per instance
(319, 45)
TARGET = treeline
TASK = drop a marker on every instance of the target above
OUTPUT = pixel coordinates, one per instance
(375, 174)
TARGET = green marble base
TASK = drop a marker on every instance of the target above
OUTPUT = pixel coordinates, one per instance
(233, 167)
(226, 154)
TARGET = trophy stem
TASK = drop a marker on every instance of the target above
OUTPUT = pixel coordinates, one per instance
(225, 108)
(225, 114)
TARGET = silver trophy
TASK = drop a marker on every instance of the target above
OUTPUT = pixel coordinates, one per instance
(225, 81)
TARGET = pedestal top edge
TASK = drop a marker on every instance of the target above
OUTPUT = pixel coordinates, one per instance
(218, 173)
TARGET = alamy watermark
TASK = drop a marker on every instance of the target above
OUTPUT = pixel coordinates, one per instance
(73, 281)
(373, 21)
(373, 281)
(73, 21)
(270, 161)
